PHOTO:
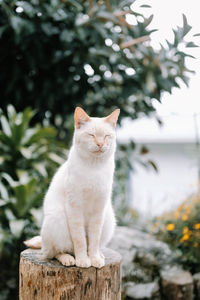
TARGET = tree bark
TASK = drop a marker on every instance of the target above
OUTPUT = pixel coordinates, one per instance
(49, 280)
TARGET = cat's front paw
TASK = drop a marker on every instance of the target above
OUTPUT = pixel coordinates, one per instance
(97, 261)
(83, 262)
(66, 259)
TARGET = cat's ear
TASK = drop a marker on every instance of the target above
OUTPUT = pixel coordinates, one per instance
(113, 117)
(80, 117)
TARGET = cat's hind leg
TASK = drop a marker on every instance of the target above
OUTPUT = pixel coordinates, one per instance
(56, 238)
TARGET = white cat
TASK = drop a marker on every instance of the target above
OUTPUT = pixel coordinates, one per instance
(78, 214)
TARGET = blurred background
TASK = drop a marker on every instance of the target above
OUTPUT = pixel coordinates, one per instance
(173, 145)
(139, 56)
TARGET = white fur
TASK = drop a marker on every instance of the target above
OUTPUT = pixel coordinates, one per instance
(78, 215)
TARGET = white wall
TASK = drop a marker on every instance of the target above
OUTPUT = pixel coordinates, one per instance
(154, 193)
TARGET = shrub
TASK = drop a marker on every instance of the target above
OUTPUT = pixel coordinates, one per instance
(29, 157)
(181, 230)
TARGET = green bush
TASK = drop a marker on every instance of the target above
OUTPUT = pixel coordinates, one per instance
(29, 157)
(181, 230)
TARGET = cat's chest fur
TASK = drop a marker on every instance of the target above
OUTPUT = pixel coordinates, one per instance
(88, 188)
(91, 182)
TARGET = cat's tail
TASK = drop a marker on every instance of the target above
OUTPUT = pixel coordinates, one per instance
(34, 243)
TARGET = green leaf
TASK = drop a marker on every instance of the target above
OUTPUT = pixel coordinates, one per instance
(17, 24)
(82, 19)
(23, 176)
(9, 214)
(38, 216)
(54, 157)
(41, 169)
(147, 21)
(5, 125)
(60, 15)
(20, 126)
(3, 192)
(66, 36)
(191, 45)
(185, 79)
(11, 113)
(26, 152)
(125, 3)
(24, 194)
(2, 202)
(9, 179)
(186, 26)
(185, 54)
(49, 29)
(170, 45)
(107, 16)
(17, 226)
(6, 140)
(48, 132)
(76, 4)
(27, 7)
(29, 133)
(19, 123)
(145, 6)
(3, 29)
(27, 115)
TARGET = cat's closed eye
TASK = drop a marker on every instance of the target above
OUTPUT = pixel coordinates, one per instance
(90, 134)
(107, 135)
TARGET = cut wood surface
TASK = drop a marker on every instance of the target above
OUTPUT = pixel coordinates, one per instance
(48, 279)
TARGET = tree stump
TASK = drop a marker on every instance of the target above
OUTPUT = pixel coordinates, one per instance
(49, 280)
(177, 284)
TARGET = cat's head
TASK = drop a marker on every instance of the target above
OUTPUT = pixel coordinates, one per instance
(95, 137)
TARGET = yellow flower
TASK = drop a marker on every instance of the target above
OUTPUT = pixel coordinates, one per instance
(184, 217)
(185, 230)
(196, 244)
(185, 237)
(170, 227)
(197, 226)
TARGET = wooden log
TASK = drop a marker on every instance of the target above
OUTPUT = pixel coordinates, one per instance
(49, 280)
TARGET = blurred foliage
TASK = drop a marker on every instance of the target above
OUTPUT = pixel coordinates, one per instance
(127, 157)
(28, 159)
(25, 149)
(181, 230)
(56, 55)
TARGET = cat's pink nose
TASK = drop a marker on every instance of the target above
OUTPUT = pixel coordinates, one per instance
(99, 144)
